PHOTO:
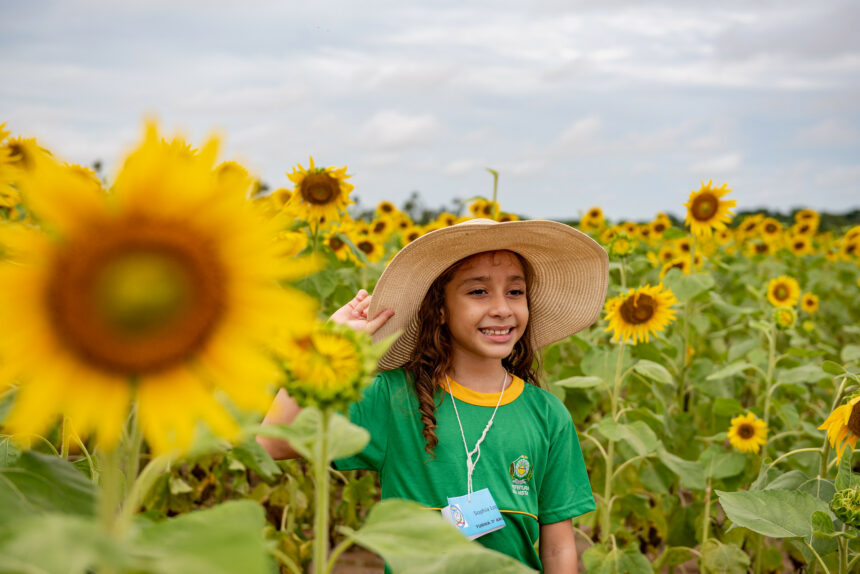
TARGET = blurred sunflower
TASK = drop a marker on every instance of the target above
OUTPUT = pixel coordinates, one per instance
(334, 241)
(381, 228)
(325, 367)
(684, 245)
(770, 229)
(747, 433)
(641, 313)
(723, 236)
(785, 317)
(630, 228)
(681, 263)
(800, 245)
(411, 234)
(843, 426)
(658, 226)
(371, 248)
(291, 243)
(706, 210)
(783, 291)
(321, 194)
(385, 209)
(621, 246)
(759, 248)
(809, 303)
(447, 219)
(803, 228)
(163, 291)
(609, 234)
(750, 224)
(667, 254)
(503, 217)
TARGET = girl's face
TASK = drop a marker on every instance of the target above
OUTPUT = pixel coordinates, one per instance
(486, 309)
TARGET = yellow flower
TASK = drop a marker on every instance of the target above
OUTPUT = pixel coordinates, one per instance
(503, 217)
(385, 209)
(371, 248)
(630, 228)
(807, 228)
(761, 248)
(381, 228)
(800, 245)
(684, 245)
(483, 208)
(748, 433)
(681, 263)
(667, 254)
(843, 426)
(706, 210)
(321, 194)
(325, 367)
(621, 246)
(609, 233)
(448, 219)
(750, 224)
(163, 291)
(723, 236)
(785, 317)
(291, 243)
(783, 291)
(340, 248)
(411, 234)
(770, 229)
(809, 303)
(658, 226)
(641, 313)
(808, 326)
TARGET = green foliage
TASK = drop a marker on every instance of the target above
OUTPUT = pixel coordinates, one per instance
(774, 513)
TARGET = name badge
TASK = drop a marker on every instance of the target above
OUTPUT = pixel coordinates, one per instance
(476, 517)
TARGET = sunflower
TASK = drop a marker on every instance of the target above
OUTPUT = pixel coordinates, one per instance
(843, 426)
(754, 248)
(325, 367)
(748, 433)
(291, 243)
(235, 176)
(681, 263)
(658, 226)
(809, 215)
(446, 219)
(667, 254)
(630, 228)
(750, 224)
(371, 247)
(853, 233)
(641, 313)
(723, 236)
(785, 317)
(411, 234)
(805, 228)
(503, 217)
(809, 303)
(321, 194)
(335, 241)
(381, 228)
(770, 229)
(595, 214)
(163, 291)
(706, 210)
(783, 291)
(9, 196)
(386, 209)
(621, 246)
(849, 249)
(800, 245)
(608, 234)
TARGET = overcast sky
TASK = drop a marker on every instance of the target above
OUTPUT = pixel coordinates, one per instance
(624, 104)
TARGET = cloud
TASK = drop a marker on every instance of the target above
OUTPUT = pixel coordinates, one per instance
(828, 132)
(393, 129)
(581, 132)
(720, 165)
(463, 166)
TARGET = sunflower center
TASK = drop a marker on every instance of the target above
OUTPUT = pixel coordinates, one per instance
(770, 228)
(319, 188)
(365, 246)
(135, 296)
(854, 420)
(660, 227)
(636, 310)
(704, 206)
(379, 227)
(335, 243)
(780, 293)
(761, 248)
(746, 431)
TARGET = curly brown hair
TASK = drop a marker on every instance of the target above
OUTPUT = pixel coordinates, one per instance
(432, 358)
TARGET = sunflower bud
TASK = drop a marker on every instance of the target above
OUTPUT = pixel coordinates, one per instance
(846, 506)
(785, 317)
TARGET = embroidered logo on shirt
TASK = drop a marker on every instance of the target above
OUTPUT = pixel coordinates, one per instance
(521, 473)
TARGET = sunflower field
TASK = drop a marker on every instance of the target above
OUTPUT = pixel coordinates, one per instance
(149, 320)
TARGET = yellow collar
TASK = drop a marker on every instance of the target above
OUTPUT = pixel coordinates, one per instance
(467, 395)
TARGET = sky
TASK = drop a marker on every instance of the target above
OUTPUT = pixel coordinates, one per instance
(625, 104)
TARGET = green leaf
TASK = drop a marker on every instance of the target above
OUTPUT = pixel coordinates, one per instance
(674, 233)
(805, 353)
(719, 558)
(729, 371)
(55, 543)
(802, 374)
(787, 481)
(178, 486)
(255, 457)
(845, 477)
(741, 348)
(672, 556)
(226, 539)
(637, 434)
(579, 382)
(654, 371)
(832, 368)
(727, 407)
(415, 540)
(719, 464)
(850, 353)
(686, 287)
(690, 472)
(38, 483)
(822, 525)
(602, 363)
(303, 434)
(728, 308)
(600, 559)
(774, 513)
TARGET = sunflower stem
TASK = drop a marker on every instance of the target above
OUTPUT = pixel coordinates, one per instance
(706, 519)
(65, 438)
(322, 496)
(792, 453)
(623, 274)
(110, 497)
(495, 193)
(771, 363)
(610, 451)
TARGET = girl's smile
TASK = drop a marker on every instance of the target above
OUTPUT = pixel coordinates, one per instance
(486, 309)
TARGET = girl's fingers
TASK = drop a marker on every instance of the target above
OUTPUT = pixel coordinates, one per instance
(360, 308)
(374, 324)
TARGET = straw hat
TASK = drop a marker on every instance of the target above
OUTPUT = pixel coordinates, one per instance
(568, 287)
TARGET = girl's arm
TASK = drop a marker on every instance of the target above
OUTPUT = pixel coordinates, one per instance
(558, 548)
(285, 409)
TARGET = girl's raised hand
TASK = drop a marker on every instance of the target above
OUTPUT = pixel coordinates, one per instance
(354, 314)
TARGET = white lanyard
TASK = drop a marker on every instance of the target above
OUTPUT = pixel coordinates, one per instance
(470, 465)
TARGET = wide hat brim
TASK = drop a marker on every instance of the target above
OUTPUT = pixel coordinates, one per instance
(568, 287)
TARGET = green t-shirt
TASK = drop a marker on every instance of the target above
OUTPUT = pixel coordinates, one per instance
(530, 459)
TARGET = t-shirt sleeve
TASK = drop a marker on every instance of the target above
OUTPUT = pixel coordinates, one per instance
(371, 413)
(565, 490)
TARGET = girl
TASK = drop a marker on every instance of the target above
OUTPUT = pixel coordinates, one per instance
(457, 420)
